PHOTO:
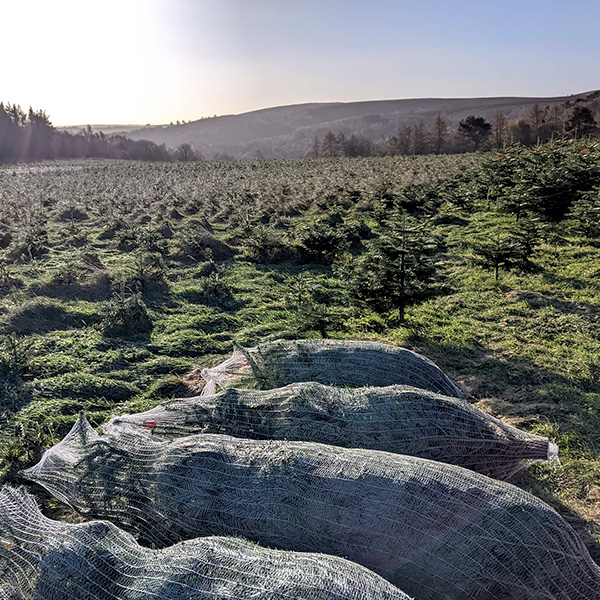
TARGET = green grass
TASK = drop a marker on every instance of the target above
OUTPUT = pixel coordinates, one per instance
(525, 347)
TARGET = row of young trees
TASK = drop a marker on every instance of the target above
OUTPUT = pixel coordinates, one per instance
(473, 133)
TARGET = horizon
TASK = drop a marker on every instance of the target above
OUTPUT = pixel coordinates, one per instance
(265, 108)
(161, 61)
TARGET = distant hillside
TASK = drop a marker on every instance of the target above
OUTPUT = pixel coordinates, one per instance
(289, 131)
(106, 129)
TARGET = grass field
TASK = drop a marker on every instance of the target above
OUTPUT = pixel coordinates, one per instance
(116, 279)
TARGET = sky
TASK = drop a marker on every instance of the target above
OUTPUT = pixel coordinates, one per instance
(158, 61)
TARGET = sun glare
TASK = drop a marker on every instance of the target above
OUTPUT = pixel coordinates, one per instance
(156, 61)
(74, 58)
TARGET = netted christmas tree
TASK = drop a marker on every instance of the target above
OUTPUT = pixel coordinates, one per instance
(332, 362)
(398, 419)
(434, 530)
(42, 559)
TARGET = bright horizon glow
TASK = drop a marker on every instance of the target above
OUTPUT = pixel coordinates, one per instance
(157, 61)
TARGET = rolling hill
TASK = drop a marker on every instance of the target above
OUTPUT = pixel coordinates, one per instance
(289, 131)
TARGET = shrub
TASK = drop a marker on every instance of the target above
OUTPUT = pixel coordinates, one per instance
(215, 290)
(67, 273)
(320, 243)
(126, 316)
(127, 238)
(264, 245)
(5, 239)
(148, 269)
(15, 354)
(13, 392)
(546, 180)
(584, 216)
(152, 241)
(497, 250)
(72, 214)
(111, 229)
(7, 281)
(31, 242)
(312, 307)
(508, 247)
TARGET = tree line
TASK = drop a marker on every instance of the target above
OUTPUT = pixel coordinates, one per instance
(29, 135)
(541, 124)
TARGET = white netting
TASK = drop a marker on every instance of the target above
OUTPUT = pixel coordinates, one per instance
(7, 593)
(332, 362)
(397, 419)
(435, 530)
(42, 559)
(237, 363)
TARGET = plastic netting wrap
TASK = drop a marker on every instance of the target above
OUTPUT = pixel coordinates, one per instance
(42, 559)
(397, 419)
(7, 593)
(332, 362)
(434, 530)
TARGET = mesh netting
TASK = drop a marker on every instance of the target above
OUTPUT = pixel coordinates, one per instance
(41, 559)
(332, 362)
(435, 530)
(7, 593)
(396, 419)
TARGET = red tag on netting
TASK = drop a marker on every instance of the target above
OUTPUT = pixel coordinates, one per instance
(151, 424)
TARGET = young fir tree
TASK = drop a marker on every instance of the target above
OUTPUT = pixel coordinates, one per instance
(399, 267)
(519, 198)
(509, 247)
(494, 252)
(528, 234)
(312, 307)
(584, 216)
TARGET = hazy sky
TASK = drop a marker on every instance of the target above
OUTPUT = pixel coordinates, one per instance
(156, 61)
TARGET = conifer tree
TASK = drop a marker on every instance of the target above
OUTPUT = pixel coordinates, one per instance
(473, 132)
(439, 134)
(494, 252)
(582, 122)
(535, 117)
(584, 216)
(420, 137)
(527, 236)
(509, 246)
(500, 127)
(399, 267)
(329, 145)
(315, 151)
